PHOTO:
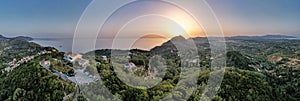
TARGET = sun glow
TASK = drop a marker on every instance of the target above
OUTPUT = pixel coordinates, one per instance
(189, 26)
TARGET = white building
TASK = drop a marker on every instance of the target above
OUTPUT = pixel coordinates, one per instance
(104, 58)
(45, 64)
(82, 62)
(130, 65)
(71, 57)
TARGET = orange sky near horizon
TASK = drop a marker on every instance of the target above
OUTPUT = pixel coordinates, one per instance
(161, 29)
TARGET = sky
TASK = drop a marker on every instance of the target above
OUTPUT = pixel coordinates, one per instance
(58, 18)
(257, 17)
(40, 18)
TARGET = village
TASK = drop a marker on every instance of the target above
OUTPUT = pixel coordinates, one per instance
(71, 68)
(14, 63)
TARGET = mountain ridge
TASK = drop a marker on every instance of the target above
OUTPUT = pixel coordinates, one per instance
(264, 37)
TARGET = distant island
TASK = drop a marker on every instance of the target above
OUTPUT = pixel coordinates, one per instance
(18, 37)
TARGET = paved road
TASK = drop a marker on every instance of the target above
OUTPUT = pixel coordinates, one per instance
(81, 77)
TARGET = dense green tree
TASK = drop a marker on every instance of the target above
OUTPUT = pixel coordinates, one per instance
(236, 59)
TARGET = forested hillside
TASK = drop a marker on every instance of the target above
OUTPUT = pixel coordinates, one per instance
(252, 73)
(256, 70)
(16, 48)
(21, 76)
(31, 82)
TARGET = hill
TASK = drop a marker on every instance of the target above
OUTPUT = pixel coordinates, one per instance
(249, 75)
(27, 80)
(17, 48)
(253, 72)
(31, 82)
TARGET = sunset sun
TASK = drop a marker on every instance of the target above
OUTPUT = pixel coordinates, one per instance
(188, 25)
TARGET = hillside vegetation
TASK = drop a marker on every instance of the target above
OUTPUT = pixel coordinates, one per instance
(257, 69)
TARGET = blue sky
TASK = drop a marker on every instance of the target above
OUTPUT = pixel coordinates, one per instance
(255, 17)
(43, 18)
(40, 17)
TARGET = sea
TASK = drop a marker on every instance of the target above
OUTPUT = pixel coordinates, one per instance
(66, 44)
(84, 45)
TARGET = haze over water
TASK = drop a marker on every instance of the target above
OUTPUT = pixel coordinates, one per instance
(65, 44)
